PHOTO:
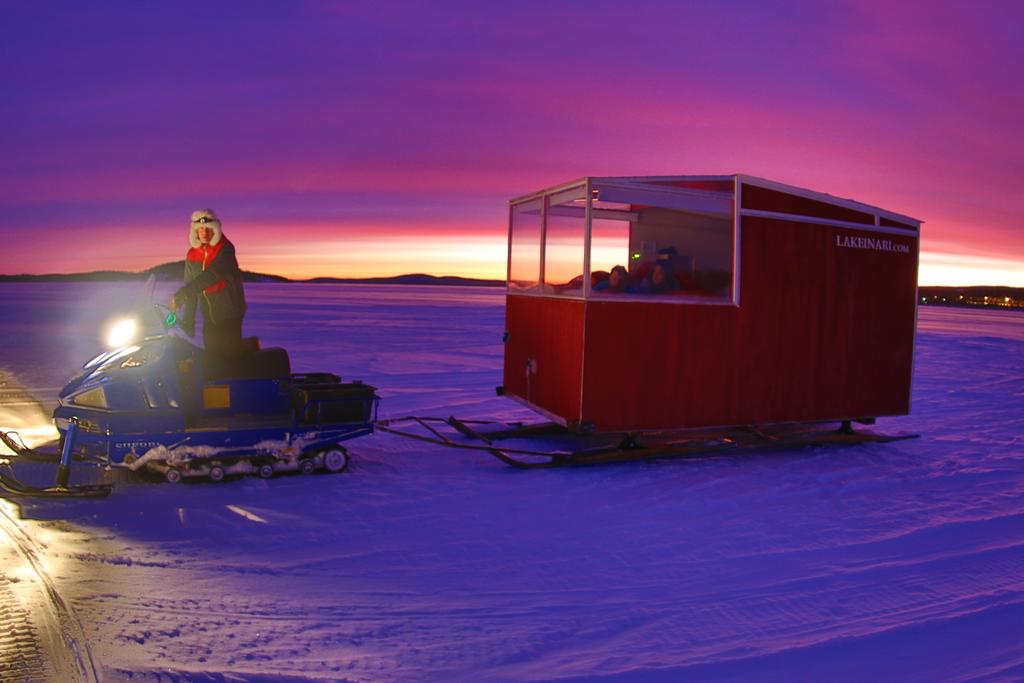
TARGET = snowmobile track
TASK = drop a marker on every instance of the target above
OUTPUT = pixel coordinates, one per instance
(67, 649)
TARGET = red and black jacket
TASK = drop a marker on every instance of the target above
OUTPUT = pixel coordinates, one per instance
(213, 278)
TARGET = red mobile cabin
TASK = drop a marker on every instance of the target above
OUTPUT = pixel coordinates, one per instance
(671, 302)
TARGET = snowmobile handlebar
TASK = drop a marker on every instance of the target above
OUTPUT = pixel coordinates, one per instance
(167, 316)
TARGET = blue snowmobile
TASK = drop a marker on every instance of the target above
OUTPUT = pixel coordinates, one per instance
(158, 402)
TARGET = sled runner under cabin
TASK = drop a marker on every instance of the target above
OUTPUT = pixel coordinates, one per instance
(673, 302)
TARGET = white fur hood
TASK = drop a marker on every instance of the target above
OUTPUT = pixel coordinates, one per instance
(208, 218)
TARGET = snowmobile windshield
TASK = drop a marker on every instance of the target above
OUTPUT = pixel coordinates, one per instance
(147, 320)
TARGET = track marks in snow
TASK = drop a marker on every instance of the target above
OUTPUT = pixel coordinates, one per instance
(123, 560)
(21, 657)
(40, 635)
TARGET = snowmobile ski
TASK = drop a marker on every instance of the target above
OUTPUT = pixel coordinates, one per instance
(11, 486)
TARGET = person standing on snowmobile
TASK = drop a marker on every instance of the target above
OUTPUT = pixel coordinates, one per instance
(213, 281)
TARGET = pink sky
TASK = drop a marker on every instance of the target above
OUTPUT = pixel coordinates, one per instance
(353, 141)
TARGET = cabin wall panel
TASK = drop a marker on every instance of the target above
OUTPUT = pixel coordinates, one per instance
(822, 332)
(548, 331)
(763, 199)
(649, 365)
(721, 185)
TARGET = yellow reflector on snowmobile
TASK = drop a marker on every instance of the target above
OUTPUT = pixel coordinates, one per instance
(93, 398)
(218, 396)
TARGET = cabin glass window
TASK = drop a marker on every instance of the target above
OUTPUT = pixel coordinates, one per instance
(609, 247)
(564, 234)
(524, 256)
(674, 245)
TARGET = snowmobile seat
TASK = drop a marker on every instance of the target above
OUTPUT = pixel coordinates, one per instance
(269, 363)
(314, 379)
(333, 403)
(249, 345)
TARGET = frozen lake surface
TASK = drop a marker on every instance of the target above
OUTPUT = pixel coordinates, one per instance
(901, 561)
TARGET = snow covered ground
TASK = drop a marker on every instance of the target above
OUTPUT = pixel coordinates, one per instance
(900, 561)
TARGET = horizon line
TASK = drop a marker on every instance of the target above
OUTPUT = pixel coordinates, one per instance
(153, 270)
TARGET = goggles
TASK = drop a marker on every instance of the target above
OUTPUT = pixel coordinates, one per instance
(205, 219)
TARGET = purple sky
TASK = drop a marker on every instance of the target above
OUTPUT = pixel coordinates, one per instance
(377, 138)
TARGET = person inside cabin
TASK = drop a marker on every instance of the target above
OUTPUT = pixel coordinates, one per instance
(213, 283)
(662, 279)
(617, 282)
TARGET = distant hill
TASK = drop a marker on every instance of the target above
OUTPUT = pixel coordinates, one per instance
(165, 271)
(173, 272)
(93, 276)
(414, 279)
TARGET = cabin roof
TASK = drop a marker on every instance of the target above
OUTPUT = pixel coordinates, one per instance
(745, 179)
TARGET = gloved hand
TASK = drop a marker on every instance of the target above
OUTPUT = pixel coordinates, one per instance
(174, 305)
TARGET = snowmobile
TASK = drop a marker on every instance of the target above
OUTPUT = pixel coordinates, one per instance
(157, 402)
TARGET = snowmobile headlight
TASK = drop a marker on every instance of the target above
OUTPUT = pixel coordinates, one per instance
(121, 333)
